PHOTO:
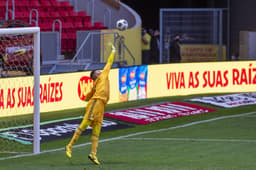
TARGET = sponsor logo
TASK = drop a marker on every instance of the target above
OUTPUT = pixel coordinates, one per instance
(85, 84)
(142, 76)
(132, 74)
(23, 96)
(123, 79)
(228, 101)
(153, 113)
(53, 131)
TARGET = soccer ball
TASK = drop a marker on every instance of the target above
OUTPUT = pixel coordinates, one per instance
(122, 24)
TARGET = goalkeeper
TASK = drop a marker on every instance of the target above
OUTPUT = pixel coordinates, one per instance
(97, 99)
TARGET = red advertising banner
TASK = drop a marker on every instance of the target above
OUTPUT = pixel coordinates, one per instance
(153, 113)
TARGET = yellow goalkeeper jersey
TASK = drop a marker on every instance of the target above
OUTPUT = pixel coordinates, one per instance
(100, 89)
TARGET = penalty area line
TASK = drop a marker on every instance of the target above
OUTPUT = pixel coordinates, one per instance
(135, 134)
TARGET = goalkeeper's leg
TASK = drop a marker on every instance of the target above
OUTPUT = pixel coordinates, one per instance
(85, 123)
(95, 139)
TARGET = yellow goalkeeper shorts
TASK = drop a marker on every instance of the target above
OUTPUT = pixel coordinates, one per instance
(94, 114)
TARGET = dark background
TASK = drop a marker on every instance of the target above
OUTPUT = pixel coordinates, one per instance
(149, 10)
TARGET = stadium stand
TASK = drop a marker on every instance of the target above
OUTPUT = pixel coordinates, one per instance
(60, 22)
(48, 11)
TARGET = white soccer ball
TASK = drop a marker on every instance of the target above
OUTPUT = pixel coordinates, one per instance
(121, 24)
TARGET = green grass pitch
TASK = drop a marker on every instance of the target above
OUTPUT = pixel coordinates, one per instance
(221, 140)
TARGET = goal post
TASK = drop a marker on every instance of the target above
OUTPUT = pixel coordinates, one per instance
(34, 34)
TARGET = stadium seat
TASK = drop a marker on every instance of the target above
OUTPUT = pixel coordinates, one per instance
(73, 13)
(2, 4)
(2, 12)
(54, 14)
(19, 15)
(24, 3)
(79, 25)
(67, 25)
(63, 13)
(35, 4)
(88, 25)
(66, 5)
(46, 3)
(56, 4)
(64, 42)
(22, 9)
(87, 19)
(45, 26)
(48, 11)
(99, 25)
(82, 13)
(71, 42)
(44, 14)
(68, 19)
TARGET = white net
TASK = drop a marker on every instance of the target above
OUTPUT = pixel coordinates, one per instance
(16, 55)
(17, 84)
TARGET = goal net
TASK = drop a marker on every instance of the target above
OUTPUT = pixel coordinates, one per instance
(19, 90)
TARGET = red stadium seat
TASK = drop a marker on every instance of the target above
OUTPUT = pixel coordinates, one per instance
(2, 4)
(43, 14)
(2, 12)
(63, 13)
(64, 3)
(56, 4)
(48, 11)
(22, 3)
(46, 3)
(82, 13)
(99, 25)
(69, 41)
(79, 26)
(19, 15)
(88, 26)
(73, 13)
(87, 19)
(54, 14)
(35, 4)
(67, 25)
(69, 19)
(65, 38)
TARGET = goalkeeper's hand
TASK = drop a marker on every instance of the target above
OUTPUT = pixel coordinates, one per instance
(113, 48)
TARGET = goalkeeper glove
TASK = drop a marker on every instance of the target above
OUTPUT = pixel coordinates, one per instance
(113, 48)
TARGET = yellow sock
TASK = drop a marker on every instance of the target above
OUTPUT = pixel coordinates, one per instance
(94, 144)
(75, 137)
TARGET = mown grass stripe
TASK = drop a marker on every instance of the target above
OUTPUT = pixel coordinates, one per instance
(138, 133)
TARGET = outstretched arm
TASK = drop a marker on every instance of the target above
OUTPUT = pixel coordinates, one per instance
(110, 61)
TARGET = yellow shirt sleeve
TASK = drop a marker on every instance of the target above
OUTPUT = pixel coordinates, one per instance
(101, 90)
(109, 63)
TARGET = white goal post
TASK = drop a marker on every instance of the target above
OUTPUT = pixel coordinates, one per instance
(35, 31)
